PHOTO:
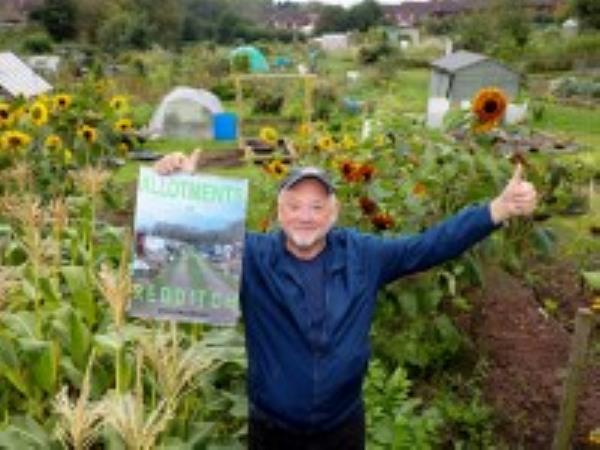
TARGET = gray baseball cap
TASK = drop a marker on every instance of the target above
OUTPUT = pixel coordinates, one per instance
(301, 173)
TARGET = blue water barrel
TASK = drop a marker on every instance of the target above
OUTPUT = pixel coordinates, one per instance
(225, 126)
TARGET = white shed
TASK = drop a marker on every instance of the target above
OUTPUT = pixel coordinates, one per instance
(333, 42)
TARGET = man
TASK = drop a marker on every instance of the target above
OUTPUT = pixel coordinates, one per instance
(308, 294)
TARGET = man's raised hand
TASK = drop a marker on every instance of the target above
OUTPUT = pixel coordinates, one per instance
(519, 198)
(177, 162)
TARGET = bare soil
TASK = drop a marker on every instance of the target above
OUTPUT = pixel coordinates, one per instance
(528, 350)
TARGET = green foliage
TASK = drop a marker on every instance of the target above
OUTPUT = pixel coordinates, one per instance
(501, 29)
(361, 17)
(37, 43)
(395, 419)
(588, 13)
(59, 18)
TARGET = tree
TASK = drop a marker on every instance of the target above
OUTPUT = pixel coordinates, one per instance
(331, 18)
(58, 17)
(588, 13)
(364, 15)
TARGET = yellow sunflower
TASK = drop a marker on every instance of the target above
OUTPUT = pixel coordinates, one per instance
(269, 135)
(88, 133)
(348, 142)
(325, 142)
(61, 101)
(5, 115)
(53, 142)
(489, 106)
(14, 140)
(119, 103)
(38, 113)
(123, 125)
(68, 156)
(277, 169)
(304, 129)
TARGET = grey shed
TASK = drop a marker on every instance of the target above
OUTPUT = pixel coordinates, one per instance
(458, 76)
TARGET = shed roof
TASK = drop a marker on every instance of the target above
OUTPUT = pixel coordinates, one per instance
(458, 60)
(17, 78)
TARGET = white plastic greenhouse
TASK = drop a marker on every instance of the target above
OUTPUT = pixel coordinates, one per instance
(185, 113)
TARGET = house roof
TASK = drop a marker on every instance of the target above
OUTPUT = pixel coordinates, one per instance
(457, 60)
(18, 79)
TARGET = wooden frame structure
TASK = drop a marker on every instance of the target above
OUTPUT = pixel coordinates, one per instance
(308, 84)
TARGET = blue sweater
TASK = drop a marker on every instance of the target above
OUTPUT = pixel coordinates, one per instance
(308, 383)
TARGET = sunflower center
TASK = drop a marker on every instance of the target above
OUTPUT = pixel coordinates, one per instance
(3, 114)
(14, 141)
(490, 106)
(88, 134)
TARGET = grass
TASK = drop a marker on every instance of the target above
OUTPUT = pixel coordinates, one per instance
(583, 124)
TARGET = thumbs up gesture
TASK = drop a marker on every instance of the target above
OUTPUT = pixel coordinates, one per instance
(519, 198)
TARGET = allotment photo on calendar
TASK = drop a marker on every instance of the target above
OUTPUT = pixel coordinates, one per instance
(188, 248)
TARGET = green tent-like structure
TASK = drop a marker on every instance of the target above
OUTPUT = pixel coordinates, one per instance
(257, 61)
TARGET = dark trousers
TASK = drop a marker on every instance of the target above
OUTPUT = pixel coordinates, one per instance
(264, 435)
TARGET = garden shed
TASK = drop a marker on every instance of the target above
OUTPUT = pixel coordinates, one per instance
(185, 113)
(17, 78)
(458, 76)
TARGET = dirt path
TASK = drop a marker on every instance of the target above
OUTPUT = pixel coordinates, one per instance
(527, 352)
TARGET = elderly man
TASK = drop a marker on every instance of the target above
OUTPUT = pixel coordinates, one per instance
(308, 295)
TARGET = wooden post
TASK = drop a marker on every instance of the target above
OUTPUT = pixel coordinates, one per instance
(238, 105)
(572, 385)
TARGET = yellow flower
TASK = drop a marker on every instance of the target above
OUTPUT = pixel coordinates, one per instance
(38, 113)
(5, 115)
(304, 129)
(88, 133)
(348, 142)
(68, 156)
(277, 169)
(489, 106)
(269, 135)
(53, 142)
(14, 140)
(119, 103)
(325, 142)
(61, 101)
(123, 148)
(123, 125)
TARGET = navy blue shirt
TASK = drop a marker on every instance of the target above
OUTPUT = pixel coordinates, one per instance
(312, 274)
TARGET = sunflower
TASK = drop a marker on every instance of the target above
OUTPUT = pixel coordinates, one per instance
(382, 221)
(5, 115)
(88, 133)
(489, 106)
(53, 142)
(419, 189)
(38, 113)
(123, 125)
(325, 142)
(349, 169)
(365, 173)
(367, 205)
(119, 103)
(61, 102)
(348, 142)
(67, 156)
(304, 129)
(269, 135)
(14, 140)
(276, 168)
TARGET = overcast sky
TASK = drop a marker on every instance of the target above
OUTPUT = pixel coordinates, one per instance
(351, 2)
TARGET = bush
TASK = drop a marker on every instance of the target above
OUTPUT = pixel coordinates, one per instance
(37, 43)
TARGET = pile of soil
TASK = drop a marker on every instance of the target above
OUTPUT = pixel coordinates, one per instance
(528, 350)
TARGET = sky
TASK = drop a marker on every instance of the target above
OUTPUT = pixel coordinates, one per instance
(351, 2)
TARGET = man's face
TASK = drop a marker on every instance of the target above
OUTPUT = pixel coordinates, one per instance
(306, 212)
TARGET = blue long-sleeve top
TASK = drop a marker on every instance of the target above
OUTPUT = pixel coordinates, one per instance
(309, 377)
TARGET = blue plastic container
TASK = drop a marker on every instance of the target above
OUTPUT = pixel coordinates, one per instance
(225, 126)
